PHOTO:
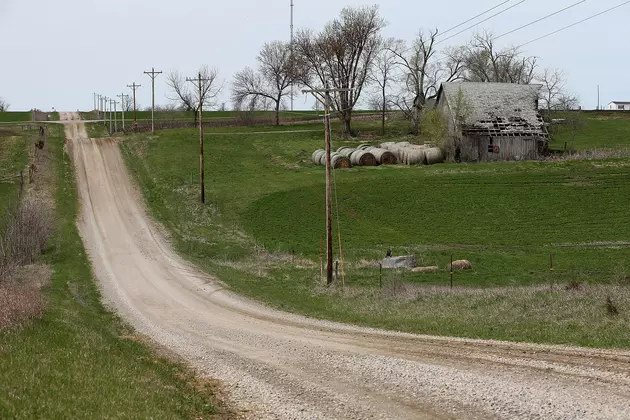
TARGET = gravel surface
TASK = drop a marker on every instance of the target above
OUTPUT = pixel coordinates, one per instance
(276, 365)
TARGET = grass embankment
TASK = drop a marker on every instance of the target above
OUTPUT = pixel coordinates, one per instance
(79, 360)
(260, 233)
(10, 116)
(592, 130)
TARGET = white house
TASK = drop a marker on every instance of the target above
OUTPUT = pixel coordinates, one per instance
(619, 106)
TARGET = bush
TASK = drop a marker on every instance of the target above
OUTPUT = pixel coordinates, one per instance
(24, 233)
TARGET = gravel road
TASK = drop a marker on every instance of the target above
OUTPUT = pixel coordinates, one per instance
(276, 365)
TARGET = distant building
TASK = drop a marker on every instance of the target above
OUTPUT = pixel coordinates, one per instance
(619, 106)
(499, 121)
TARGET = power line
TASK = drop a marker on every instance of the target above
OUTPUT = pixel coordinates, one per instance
(479, 23)
(554, 32)
(473, 18)
(574, 24)
(539, 20)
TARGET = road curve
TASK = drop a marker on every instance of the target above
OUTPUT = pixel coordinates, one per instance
(282, 366)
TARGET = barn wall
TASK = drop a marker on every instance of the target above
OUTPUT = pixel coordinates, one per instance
(475, 148)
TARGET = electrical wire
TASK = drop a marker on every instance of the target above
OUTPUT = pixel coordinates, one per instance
(473, 18)
(574, 24)
(480, 22)
(539, 20)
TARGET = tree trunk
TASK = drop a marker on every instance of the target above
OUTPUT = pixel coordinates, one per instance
(196, 112)
(347, 119)
(384, 109)
(277, 112)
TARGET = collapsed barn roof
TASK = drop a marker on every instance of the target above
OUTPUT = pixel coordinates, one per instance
(496, 108)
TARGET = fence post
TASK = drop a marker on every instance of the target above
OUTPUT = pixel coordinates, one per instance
(451, 271)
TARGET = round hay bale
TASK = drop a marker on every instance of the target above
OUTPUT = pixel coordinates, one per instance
(364, 146)
(416, 157)
(346, 151)
(387, 145)
(317, 156)
(403, 144)
(339, 161)
(383, 157)
(434, 155)
(322, 159)
(460, 265)
(362, 158)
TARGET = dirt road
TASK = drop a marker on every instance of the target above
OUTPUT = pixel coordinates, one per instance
(278, 365)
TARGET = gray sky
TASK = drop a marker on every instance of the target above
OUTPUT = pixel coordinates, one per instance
(56, 53)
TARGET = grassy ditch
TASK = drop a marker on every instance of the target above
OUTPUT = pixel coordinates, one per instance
(79, 360)
(261, 229)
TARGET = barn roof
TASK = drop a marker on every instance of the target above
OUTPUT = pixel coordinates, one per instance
(501, 108)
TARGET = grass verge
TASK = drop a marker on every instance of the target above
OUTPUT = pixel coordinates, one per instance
(79, 360)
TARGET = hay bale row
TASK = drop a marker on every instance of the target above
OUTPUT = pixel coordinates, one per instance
(414, 154)
(337, 160)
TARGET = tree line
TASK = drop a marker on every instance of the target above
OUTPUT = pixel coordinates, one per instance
(350, 52)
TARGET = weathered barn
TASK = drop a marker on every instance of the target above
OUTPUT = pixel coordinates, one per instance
(498, 121)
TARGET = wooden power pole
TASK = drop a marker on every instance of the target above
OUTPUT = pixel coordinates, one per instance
(329, 240)
(153, 74)
(199, 82)
(134, 87)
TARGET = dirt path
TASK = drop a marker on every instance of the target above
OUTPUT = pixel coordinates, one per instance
(284, 366)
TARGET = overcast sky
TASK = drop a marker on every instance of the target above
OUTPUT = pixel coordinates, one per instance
(56, 53)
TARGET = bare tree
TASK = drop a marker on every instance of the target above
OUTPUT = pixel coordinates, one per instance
(422, 74)
(383, 74)
(276, 73)
(186, 96)
(341, 57)
(4, 105)
(484, 63)
(553, 94)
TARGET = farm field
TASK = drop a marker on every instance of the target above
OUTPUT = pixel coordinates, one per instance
(9, 117)
(78, 360)
(261, 229)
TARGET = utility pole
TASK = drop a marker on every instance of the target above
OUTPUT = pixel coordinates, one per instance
(291, 47)
(115, 117)
(105, 99)
(598, 106)
(134, 87)
(111, 107)
(327, 105)
(153, 74)
(199, 83)
(123, 98)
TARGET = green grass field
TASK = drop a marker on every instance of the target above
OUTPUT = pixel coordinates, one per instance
(215, 115)
(13, 159)
(261, 230)
(80, 360)
(593, 130)
(15, 117)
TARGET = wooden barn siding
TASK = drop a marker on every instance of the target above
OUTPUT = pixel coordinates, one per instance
(475, 149)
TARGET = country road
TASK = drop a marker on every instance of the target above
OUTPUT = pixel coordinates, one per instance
(276, 365)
